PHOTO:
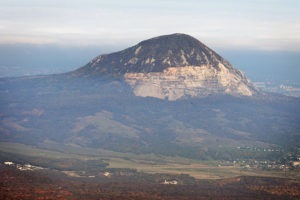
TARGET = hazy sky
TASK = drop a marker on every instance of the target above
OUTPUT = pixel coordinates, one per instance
(256, 24)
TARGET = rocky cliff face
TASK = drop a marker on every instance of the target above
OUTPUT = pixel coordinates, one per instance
(172, 67)
(189, 81)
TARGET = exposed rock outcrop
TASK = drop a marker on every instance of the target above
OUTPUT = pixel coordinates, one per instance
(190, 81)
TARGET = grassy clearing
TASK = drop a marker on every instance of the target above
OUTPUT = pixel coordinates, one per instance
(148, 163)
(199, 170)
(26, 150)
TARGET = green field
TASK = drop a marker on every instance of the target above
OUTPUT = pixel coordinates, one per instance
(71, 157)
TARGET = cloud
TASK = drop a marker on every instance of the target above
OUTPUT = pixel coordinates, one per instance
(229, 23)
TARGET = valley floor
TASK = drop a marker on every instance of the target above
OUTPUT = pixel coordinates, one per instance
(16, 184)
(29, 172)
(85, 162)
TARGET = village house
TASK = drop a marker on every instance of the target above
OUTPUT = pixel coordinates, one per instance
(173, 182)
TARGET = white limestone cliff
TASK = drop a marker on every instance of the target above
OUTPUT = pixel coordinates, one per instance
(190, 81)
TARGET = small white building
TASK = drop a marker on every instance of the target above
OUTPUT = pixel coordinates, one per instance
(107, 174)
(8, 163)
(296, 163)
(173, 182)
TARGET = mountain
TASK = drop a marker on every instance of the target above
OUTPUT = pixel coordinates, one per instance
(170, 95)
(172, 67)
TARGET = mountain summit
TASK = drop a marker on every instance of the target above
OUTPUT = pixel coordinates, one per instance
(172, 67)
(155, 55)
